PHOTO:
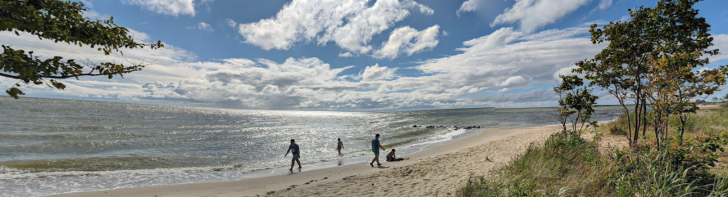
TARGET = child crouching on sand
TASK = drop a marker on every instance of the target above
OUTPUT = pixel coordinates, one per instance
(392, 157)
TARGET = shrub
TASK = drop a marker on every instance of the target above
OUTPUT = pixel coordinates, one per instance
(567, 165)
(564, 165)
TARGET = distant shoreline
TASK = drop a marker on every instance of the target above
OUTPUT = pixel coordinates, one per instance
(217, 107)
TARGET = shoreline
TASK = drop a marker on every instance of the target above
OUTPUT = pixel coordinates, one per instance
(312, 181)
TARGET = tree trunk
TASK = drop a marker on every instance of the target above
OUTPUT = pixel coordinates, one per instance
(683, 120)
(644, 118)
(637, 113)
(629, 125)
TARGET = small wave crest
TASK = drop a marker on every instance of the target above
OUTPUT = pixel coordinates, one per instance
(97, 164)
(71, 128)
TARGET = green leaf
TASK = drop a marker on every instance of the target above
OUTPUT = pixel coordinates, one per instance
(14, 92)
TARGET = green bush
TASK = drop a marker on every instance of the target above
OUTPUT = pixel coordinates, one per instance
(567, 165)
(564, 165)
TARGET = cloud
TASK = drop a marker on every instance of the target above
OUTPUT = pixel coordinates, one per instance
(373, 73)
(202, 26)
(503, 60)
(348, 23)
(468, 6)
(266, 84)
(509, 59)
(506, 68)
(346, 54)
(140, 36)
(513, 80)
(533, 14)
(160, 63)
(720, 41)
(604, 4)
(537, 95)
(566, 70)
(230, 22)
(401, 41)
(168, 7)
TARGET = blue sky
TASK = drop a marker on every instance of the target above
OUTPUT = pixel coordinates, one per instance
(348, 55)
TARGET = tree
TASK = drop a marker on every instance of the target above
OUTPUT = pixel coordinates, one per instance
(578, 103)
(671, 32)
(674, 86)
(60, 21)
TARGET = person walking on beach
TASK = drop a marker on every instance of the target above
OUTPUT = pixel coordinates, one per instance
(339, 145)
(293, 148)
(375, 149)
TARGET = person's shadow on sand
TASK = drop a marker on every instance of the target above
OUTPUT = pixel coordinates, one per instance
(382, 167)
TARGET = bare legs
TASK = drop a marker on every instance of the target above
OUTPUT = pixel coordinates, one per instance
(376, 158)
(293, 162)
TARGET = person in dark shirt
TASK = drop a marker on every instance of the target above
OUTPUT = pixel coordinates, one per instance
(339, 145)
(293, 148)
(375, 149)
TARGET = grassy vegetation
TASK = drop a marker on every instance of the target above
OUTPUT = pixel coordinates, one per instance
(712, 122)
(568, 165)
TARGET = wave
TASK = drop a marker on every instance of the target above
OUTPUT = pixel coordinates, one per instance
(71, 128)
(100, 164)
(88, 146)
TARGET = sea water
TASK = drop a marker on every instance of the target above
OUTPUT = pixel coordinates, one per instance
(51, 146)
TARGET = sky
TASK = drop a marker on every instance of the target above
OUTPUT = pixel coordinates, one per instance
(348, 55)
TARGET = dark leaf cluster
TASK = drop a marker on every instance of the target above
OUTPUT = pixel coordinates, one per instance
(60, 21)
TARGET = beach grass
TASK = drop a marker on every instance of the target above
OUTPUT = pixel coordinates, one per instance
(567, 164)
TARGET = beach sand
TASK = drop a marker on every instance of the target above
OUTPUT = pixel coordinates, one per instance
(437, 171)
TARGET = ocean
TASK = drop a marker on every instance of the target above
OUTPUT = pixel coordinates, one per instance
(52, 146)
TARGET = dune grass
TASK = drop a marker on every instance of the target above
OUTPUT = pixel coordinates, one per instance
(568, 165)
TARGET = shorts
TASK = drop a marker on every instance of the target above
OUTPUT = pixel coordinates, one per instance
(376, 151)
(338, 148)
(295, 156)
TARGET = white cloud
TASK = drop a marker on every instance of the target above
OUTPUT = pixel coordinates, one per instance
(566, 70)
(468, 6)
(425, 10)
(203, 26)
(294, 83)
(604, 4)
(503, 60)
(720, 41)
(161, 65)
(137, 35)
(503, 69)
(373, 73)
(533, 14)
(508, 59)
(323, 21)
(231, 22)
(513, 80)
(537, 95)
(346, 54)
(168, 7)
(409, 41)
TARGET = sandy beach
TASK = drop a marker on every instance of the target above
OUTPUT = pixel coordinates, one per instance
(438, 171)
